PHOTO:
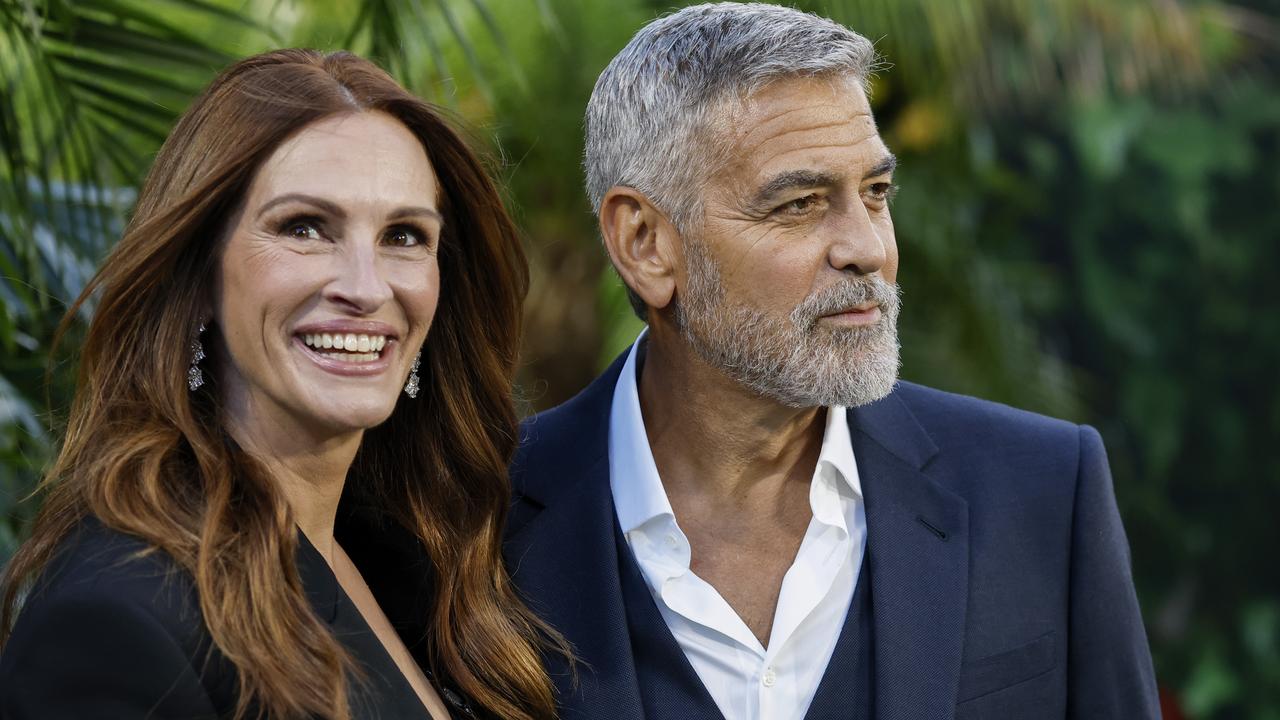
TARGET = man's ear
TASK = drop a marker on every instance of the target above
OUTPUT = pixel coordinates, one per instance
(642, 243)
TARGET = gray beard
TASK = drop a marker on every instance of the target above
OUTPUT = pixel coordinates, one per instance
(792, 360)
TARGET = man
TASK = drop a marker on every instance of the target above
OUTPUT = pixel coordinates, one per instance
(746, 516)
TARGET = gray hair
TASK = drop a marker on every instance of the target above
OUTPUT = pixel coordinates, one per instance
(651, 114)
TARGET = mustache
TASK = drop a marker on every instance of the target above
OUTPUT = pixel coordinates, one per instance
(869, 289)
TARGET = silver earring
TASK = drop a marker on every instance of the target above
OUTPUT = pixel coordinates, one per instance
(411, 387)
(195, 378)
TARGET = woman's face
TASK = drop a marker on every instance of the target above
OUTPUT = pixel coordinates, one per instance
(328, 279)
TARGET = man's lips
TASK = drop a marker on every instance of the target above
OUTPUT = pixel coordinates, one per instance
(858, 315)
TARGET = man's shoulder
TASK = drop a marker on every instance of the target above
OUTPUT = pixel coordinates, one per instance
(940, 411)
(571, 435)
(977, 446)
(556, 429)
(987, 450)
(553, 440)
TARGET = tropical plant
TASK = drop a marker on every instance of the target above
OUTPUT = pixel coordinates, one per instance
(1088, 197)
(89, 91)
(1086, 215)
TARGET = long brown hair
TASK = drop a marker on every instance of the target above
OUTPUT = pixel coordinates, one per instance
(148, 457)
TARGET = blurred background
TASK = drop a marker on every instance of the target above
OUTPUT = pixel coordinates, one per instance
(1089, 223)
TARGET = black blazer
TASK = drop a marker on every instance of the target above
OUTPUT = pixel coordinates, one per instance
(107, 632)
(1001, 586)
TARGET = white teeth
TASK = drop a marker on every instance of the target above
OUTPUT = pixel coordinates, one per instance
(352, 357)
(349, 346)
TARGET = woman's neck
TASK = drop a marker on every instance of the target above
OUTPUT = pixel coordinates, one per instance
(309, 467)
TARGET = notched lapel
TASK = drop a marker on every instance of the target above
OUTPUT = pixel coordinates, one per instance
(918, 549)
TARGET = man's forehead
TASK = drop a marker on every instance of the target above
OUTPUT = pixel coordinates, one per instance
(802, 122)
(795, 105)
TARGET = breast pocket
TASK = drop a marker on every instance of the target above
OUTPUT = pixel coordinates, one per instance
(997, 672)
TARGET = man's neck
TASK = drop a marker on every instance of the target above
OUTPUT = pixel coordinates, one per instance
(711, 437)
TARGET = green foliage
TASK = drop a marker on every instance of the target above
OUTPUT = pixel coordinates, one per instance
(1101, 254)
(1088, 209)
(90, 90)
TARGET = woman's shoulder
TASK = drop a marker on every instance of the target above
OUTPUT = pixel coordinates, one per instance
(119, 621)
(98, 564)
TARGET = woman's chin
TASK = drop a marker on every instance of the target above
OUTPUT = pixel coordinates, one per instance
(354, 418)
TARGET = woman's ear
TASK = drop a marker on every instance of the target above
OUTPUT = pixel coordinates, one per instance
(642, 243)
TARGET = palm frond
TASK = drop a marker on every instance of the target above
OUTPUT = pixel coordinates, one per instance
(993, 54)
(413, 40)
(86, 76)
(90, 89)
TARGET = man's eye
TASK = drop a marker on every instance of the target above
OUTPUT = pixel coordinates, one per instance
(800, 206)
(881, 191)
(404, 236)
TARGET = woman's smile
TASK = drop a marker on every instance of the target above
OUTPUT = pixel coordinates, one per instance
(360, 355)
(329, 281)
(346, 347)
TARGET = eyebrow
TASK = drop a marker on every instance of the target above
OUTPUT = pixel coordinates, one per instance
(884, 167)
(793, 179)
(333, 208)
(789, 181)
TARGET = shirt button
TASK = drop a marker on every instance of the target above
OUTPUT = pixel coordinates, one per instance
(770, 677)
(671, 541)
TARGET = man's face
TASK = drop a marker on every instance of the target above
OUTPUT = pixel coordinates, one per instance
(789, 287)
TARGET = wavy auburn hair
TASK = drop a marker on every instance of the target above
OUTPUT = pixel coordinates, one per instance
(150, 458)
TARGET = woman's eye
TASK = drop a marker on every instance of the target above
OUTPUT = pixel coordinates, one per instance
(404, 237)
(302, 230)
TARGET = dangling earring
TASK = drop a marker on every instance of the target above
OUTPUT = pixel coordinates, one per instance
(411, 387)
(195, 378)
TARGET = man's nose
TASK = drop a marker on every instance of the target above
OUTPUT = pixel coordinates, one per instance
(855, 245)
(360, 282)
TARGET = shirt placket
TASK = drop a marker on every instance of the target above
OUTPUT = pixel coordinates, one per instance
(771, 689)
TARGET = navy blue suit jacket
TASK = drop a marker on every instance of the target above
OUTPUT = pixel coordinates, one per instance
(1001, 581)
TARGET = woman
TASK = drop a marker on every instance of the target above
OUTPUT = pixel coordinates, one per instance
(259, 349)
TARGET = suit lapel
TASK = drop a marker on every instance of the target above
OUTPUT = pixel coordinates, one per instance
(318, 580)
(918, 549)
(564, 559)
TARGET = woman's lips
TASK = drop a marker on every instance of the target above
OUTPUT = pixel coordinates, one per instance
(350, 364)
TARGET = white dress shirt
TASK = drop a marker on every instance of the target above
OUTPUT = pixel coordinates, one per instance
(746, 680)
